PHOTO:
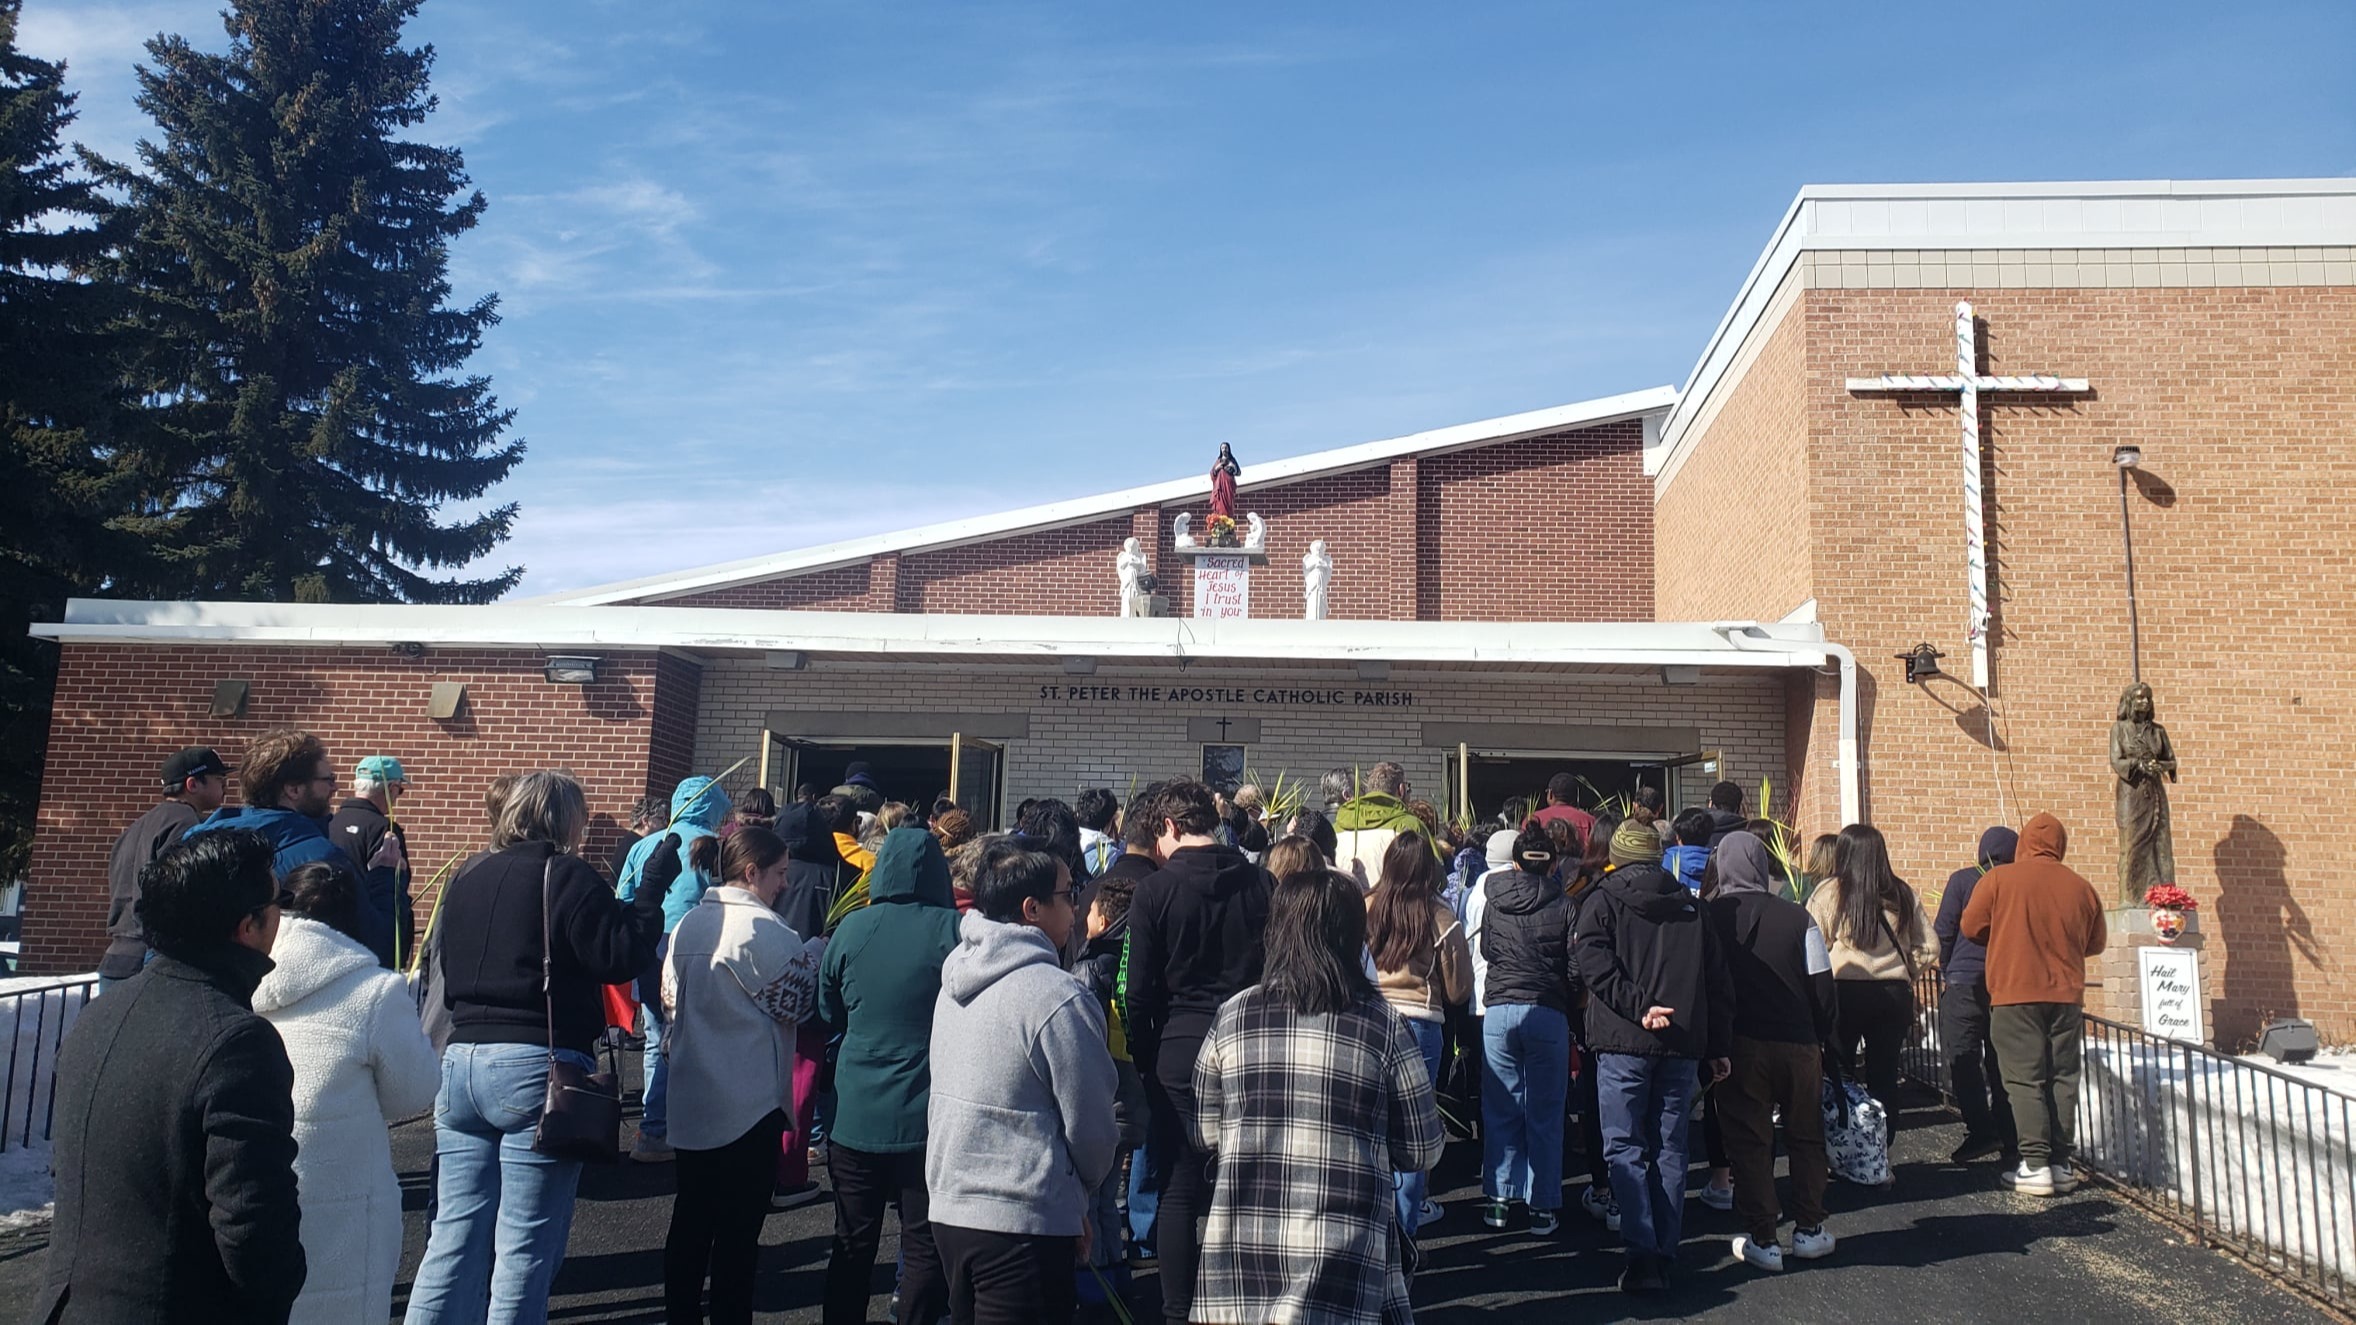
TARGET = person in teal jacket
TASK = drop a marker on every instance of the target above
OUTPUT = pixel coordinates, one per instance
(878, 983)
(697, 808)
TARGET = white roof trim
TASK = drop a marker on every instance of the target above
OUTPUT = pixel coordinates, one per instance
(639, 629)
(2232, 213)
(1082, 510)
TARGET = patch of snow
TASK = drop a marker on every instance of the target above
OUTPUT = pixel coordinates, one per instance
(2269, 1159)
(35, 1023)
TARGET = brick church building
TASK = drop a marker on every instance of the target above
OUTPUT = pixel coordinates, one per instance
(1669, 586)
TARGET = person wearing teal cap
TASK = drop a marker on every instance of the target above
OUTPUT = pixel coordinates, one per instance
(368, 835)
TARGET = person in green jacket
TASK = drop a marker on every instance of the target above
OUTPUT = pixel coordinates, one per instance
(878, 983)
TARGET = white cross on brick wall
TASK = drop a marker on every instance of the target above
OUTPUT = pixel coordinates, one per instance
(1968, 382)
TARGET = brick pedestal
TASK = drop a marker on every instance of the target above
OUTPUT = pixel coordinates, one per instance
(2117, 971)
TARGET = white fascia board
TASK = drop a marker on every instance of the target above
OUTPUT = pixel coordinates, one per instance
(640, 629)
(2101, 214)
(1083, 510)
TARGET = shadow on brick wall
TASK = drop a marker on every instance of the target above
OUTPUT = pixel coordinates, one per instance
(2264, 932)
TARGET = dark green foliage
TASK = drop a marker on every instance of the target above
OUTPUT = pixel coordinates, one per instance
(286, 253)
(59, 416)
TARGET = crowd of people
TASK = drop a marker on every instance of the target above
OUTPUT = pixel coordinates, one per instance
(1191, 1031)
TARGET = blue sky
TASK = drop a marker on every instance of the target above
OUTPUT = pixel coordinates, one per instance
(775, 274)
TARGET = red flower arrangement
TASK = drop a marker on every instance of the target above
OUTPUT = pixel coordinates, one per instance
(2169, 897)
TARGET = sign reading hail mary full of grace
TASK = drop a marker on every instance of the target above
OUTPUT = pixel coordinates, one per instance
(2171, 992)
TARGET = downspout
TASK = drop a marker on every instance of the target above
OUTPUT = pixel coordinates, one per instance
(1848, 760)
(1851, 765)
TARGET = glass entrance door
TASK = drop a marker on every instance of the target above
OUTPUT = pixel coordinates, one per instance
(1690, 779)
(976, 769)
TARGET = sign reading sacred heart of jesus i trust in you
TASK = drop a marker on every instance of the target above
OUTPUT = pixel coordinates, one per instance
(1222, 588)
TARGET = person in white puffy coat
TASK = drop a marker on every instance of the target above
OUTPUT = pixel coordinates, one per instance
(361, 1063)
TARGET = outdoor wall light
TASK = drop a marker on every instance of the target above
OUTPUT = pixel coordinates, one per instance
(566, 669)
(2127, 457)
(1922, 663)
(447, 698)
(1079, 666)
(1676, 674)
(1374, 669)
(785, 660)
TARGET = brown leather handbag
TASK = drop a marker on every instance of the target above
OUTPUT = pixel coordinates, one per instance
(581, 1119)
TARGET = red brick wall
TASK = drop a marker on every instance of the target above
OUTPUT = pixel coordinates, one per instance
(841, 589)
(1544, 528)
(2240, 399)
(121, 709)
(1556, 528)
(1056, 572)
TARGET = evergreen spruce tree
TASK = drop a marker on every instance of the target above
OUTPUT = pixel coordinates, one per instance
(59, 408)
(287, 251)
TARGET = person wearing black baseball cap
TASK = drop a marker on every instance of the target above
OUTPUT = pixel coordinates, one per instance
(195, 782)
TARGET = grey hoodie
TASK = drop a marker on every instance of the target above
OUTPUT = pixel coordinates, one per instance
(1021, 1117)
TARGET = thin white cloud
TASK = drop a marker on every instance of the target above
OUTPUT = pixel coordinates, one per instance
(571, 545)
(101, 43)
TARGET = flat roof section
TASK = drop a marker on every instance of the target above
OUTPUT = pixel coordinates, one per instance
(866, 636)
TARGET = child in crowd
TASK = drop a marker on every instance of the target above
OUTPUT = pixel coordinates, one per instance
(1099, 968)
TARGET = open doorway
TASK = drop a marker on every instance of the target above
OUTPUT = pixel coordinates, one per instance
(1499, 781)
(915, 772)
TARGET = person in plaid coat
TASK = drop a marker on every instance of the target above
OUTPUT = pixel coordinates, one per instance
(1312, 1092)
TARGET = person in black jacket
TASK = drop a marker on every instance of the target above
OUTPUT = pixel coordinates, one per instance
(1136, 863)
(1783, 1011)
(1526, 923)
(195, 782)
(504, 1033)
(1660, 1006)
(364, 830)
(1963, 1013)
(1195, 933)
(175, 1114)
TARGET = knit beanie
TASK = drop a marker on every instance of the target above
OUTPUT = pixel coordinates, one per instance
(1636, 842)
(1500, 848)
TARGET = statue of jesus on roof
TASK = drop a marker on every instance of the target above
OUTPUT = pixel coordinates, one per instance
(1223, 473)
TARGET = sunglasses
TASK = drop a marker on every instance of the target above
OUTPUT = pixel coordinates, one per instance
(284, 900)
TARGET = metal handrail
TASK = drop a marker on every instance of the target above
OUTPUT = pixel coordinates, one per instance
(2245, 1156)
(30, 1087)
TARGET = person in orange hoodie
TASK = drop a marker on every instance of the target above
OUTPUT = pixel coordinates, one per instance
(2040, 921)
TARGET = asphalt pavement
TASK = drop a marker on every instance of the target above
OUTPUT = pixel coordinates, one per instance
(1942, 1244)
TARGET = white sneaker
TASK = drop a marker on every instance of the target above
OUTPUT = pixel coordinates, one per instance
(1429, 1213)
(1761, 1255)
(1601, 1207)
(1717, 1197)
(2065, 1180)
(2028, 1181)
(652, 1150)
(1812, 1243)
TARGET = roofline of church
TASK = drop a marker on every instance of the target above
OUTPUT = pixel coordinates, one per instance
(1650, 405)
(866, 635)
(2158, 213)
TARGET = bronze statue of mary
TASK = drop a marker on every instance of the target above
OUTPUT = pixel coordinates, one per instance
(2144, 763)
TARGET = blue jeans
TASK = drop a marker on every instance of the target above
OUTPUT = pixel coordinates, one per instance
(1145, 1194)
(504, 1213)
(655, 1115)
(1523, 1089)
(1646, 1103)
(1412, 1186)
